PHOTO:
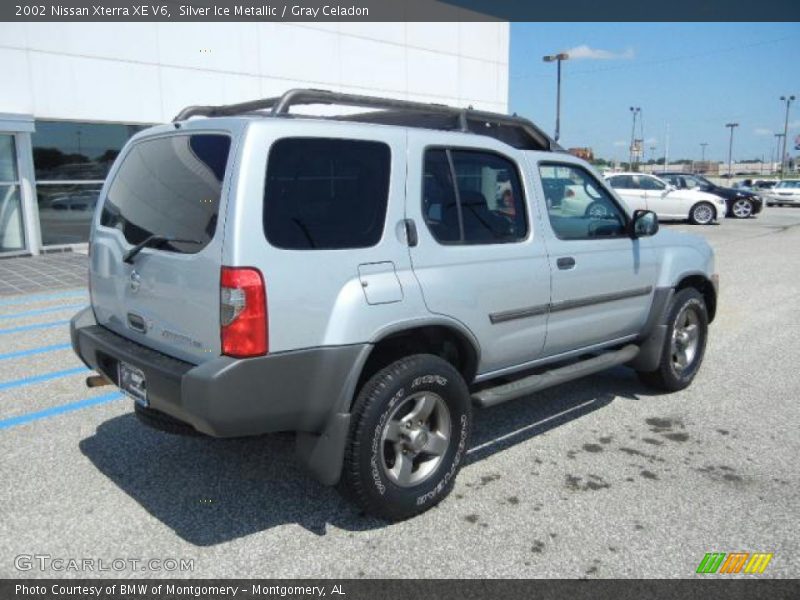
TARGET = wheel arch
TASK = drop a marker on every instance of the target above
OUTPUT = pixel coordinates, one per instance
(440, 338)
(705, 286)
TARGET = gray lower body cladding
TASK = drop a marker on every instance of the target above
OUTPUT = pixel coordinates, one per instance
(227, 397)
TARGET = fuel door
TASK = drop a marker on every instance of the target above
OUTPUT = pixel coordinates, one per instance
(380, 282)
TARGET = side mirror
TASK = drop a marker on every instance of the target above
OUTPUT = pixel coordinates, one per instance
(644, 223)
(670, 188)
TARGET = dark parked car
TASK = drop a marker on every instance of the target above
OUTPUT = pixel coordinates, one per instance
(741, 203)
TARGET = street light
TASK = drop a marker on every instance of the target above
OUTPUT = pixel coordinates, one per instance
(732, 126)
(785, 130)
(778, 137)
(557, 58)
(635, 110)
(703, 152)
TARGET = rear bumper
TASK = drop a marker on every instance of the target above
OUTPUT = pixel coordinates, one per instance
(228, 397)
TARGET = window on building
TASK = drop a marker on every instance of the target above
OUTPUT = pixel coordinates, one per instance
(12, 237)
(472, 197)
(325, 193)
(71, 161)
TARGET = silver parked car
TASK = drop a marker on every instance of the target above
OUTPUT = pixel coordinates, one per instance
(784, 193)
(365, 280)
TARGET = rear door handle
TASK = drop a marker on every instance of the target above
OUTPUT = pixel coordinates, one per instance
(565, 262)
(411, 232)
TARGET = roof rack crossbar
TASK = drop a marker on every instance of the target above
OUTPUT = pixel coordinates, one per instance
(280, 106)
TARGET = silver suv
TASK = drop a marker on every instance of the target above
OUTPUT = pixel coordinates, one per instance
(364, 280)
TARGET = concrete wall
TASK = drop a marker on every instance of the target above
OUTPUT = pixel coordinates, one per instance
(146, 72)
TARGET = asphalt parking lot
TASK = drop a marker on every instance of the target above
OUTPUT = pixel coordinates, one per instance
(596, 478)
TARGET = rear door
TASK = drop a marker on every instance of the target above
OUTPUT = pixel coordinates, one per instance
(479, 259)
(167, 296)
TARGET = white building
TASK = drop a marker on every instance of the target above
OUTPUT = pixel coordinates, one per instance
(75, 92)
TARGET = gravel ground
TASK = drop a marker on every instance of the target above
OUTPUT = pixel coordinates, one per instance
(595, 478)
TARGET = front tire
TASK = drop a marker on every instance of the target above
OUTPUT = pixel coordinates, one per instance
(702, 213)
(684, 344)
(409, 432)
(742, 209)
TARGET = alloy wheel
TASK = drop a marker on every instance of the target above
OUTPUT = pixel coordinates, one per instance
(415, 438)
(703, 214)
(685, 339)
(742, 209)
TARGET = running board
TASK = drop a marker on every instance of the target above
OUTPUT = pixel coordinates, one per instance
(534, 383)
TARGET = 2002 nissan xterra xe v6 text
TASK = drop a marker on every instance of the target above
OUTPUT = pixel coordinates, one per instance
(363, 280)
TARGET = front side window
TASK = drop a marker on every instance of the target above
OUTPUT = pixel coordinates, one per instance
(472, 197)
(323, 193)
(168, 186)
(585, 210)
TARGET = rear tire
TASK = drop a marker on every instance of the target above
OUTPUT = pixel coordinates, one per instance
(702, 213)
(408, 436)
(684, 344)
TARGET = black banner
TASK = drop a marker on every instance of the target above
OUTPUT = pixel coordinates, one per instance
(348, 589)
(398, 10)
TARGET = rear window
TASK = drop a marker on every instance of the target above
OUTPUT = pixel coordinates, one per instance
(325, 193)
(169, 186)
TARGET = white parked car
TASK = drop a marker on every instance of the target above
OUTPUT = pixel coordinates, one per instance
(648, 192)
(784, 192)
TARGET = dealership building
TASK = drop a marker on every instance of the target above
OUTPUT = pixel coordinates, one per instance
(75, 92)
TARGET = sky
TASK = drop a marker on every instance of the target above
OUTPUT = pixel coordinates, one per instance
(689, 79)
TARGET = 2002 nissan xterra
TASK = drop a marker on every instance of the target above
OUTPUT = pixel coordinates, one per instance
(363, 280)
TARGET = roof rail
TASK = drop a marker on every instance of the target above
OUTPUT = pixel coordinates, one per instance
(514, 130)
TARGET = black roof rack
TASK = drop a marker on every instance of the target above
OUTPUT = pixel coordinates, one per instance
(513, 130)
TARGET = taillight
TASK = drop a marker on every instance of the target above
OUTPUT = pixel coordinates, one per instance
(243, 312)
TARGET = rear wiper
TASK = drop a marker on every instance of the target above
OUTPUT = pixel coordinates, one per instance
(153, 240)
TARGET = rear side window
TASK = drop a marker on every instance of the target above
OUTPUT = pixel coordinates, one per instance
(472, 197)
(623, 182)
(325, 193)
(169, 186)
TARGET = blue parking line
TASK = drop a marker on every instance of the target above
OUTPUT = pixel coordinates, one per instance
(31, 327)
(7, 385)
(33, 351)
(41, 311)
(37, 297)
(59, 410)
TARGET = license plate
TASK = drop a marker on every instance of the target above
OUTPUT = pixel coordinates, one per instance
(133, 383)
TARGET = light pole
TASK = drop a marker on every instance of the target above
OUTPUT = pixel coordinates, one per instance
(635, 110)
(732, 126)
(785, 130)
(703, 152)
(557, 58)
(778, 137)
